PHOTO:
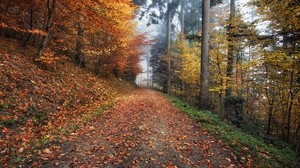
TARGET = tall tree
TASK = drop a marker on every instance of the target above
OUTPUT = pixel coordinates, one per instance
(204, 76)
(168, 48)
(79, 57)
(51, 7)
(231, 50)
(182, 19)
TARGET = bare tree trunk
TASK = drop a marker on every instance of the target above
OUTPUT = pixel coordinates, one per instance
(221, 84)
(298, 127)
(31, 24)
(270, 116)
(79, 55)
(290, 104)
(48, 28)
(271, 99)
(169, 47)
(204, 77)
(148, 68)
(231, 49)
(182, 19)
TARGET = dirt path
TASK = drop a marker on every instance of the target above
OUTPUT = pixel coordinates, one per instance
(144, 130)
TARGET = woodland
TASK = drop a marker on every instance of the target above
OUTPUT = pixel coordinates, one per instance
(251, 78)
(64, 63)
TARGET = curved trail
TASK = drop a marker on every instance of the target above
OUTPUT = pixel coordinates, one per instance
(143, 130)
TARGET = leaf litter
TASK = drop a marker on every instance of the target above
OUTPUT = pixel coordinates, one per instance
(142, 130)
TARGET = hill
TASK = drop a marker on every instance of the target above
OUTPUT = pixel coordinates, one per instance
(40, 101)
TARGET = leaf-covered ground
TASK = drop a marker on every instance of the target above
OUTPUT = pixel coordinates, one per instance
(141, 130)
(39, 102)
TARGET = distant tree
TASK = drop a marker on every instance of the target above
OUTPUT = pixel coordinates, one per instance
(157, 63)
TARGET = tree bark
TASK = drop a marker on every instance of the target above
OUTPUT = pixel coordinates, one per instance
(182, 19)
(231, 49)
(169, 47)
(292, 94)
(270, 116)
(48, 28)
(31, 24)
(79, 55)
(204, 77)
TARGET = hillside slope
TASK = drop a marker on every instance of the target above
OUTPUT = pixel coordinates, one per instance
(40, 101)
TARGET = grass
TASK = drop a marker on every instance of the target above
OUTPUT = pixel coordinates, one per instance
(246, 147)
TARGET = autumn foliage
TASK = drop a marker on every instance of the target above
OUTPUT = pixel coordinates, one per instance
(99, 35)
(253, 65)
(39, 105)
(42, 92)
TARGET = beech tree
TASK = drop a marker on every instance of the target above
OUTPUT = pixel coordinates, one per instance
(106, 45)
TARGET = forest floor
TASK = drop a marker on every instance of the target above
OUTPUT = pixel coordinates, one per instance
(141, 130)
(41, 103)
(55, 114)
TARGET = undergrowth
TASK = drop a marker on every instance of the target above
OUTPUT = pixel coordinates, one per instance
(247, 148)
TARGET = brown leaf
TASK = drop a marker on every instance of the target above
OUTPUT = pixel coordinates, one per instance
(21, 149)
(228, 159)
(111, 156)
(47, 151)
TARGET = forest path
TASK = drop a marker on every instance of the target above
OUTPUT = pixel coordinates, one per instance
(143, 130)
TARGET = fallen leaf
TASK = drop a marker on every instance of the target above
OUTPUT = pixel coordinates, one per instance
(228, 159)
(21, 149)
(111, 156)
(47, 151)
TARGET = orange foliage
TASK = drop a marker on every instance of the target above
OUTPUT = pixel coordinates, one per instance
(109, 32)
(39, 105)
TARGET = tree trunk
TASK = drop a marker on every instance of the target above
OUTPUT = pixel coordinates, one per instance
(148, 69)
(290, 104)
(48, 28)
(169, 47)
(221, 84)
(270, 116)
(298, 127)
(79, 55)
(31, 24)
(182, 19)
(231, 49)
(204, 77)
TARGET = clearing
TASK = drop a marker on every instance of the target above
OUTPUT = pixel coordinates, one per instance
(141, 130)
